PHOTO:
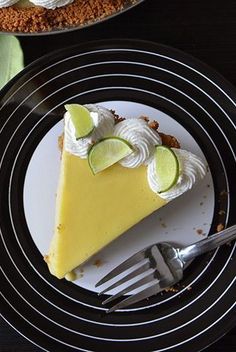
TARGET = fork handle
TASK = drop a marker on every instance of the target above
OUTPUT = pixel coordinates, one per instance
(208, 244)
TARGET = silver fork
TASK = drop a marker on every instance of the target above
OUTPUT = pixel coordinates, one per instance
(161, 266)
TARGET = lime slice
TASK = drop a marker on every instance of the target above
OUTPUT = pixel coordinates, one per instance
(167, 168)
(81, 119)
(107, 152)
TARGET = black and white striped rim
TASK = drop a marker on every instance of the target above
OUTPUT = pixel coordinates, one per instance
(58, 315)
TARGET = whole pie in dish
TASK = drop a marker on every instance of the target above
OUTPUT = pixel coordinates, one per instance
(114, 172)
(29, 16)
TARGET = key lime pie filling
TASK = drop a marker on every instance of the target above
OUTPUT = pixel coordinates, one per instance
(114, 172)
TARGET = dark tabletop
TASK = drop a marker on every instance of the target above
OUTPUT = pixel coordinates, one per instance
(203, 28)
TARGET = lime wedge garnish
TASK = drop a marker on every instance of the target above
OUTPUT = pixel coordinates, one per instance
(107, 152)
(81, 120)
(167, 168)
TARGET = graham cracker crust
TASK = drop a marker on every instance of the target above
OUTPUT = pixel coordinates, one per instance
(38, 19)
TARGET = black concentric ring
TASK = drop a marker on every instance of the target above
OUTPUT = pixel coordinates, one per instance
(57, 315)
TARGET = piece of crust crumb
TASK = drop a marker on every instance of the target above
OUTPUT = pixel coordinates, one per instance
(46, 258)
(154, 125)
(60, 141)
(145, 118)
(220, 227)
(169, 141)
(117, 117)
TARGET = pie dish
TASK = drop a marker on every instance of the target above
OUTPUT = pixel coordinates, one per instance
(42, 16)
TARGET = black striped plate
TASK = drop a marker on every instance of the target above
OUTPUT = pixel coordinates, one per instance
(192, 101)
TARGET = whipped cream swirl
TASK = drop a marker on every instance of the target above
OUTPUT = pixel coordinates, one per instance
(192, 169)
(104, 122)
(142, 138)
(51, 4)
(7, 3)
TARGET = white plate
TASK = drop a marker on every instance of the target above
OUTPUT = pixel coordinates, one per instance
(185, 220)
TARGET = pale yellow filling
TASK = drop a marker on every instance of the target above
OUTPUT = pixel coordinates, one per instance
(92, 210)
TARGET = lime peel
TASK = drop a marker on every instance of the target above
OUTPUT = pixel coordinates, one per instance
(167, 168)
(107, 152)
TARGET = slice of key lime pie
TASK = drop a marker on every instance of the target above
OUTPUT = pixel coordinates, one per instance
(114, 172)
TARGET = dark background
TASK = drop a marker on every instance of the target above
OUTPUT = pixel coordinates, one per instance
(203, 28)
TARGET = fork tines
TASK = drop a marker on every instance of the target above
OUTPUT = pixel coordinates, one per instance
(140, 266)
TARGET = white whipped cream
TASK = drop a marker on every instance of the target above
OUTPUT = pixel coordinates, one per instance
(142, 138)
(51, 4)
(192, 169)
(7, 3)
(104, 122)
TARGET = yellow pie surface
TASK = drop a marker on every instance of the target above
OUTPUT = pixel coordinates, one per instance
(93, 210)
